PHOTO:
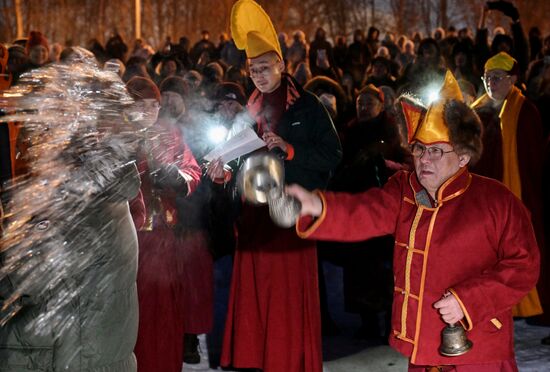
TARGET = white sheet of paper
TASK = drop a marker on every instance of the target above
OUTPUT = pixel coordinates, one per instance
(241, 144)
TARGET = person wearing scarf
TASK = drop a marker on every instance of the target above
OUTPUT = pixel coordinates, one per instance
(513, 153)
(273, 322)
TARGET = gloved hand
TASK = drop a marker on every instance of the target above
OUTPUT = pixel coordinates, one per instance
(168, 176)
(508, 9)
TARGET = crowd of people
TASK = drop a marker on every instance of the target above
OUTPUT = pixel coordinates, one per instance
(340, 113)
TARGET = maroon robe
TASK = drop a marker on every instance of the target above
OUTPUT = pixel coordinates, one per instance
(476, 242)
(273, 321)
(530, 152)
(159, 345)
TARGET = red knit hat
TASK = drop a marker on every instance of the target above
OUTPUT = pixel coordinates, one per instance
(142, 88)
(36, 38)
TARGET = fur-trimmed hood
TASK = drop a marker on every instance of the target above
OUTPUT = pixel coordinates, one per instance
(465, 128)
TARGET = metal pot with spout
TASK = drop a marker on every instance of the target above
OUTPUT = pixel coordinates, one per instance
(261, 181)
(262, 175)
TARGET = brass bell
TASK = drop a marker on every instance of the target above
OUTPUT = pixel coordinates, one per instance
(454, 341)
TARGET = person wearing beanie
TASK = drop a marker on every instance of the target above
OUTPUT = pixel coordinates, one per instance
(230, 91)
(196, 265)
(464, 250)
(147, 97)
(37, 49)
(230, 102)
(373, 133)
(173, 91)
(513, 154)
(168, 171)
(273, 321)
(372, 152)
(17, 62)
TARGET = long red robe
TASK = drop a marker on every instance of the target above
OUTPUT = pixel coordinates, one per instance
(530, 157)
(159, 345)
(273, 320)
(477, 241)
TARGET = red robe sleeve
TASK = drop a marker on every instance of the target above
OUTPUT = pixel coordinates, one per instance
(356, 217)
(188, 165)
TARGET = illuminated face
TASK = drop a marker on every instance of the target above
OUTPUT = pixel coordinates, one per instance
(266, 71)
(368, 106)
(498, 83)
(171, 105)
(144, 112)
(435, 164)
(38, 55)
(169, 68)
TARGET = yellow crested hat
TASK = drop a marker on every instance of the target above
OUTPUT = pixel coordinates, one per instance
(428, 126)
(252, 30)
(500, 61)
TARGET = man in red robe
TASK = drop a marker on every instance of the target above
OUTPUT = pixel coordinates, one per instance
(513, 153)
(273, 321)
(464, 252)
(168, 170)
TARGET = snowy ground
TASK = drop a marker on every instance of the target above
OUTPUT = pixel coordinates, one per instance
(344, 354)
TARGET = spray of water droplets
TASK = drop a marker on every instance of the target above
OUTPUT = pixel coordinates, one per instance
(59, 244)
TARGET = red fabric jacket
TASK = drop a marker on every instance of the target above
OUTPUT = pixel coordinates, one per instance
(476, 241)
(167, 146)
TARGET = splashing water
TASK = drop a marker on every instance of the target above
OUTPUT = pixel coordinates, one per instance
(61, 220)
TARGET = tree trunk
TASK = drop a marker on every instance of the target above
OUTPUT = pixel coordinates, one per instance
(101, 22)
(137, 29)
(19, 19)
(443, 18)
(373, 12)
(160, 23)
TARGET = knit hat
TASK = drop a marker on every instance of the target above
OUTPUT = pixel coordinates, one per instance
(17, 51)
(230, 91)
(175, 84)
(5, 78)
(142, 88)
(371, 89)
(36, 38)
(252, 30)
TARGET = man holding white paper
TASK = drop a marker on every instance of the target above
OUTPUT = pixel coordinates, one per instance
(273, 321)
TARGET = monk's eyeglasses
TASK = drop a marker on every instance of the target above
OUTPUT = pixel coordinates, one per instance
(434, 153)
(494, 78)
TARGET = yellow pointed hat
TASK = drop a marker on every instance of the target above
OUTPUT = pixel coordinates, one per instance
(252, 30)
(429, 126)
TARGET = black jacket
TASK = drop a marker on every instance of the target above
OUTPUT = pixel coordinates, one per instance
(307, 126)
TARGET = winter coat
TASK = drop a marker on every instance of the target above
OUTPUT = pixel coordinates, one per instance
(98, 327)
